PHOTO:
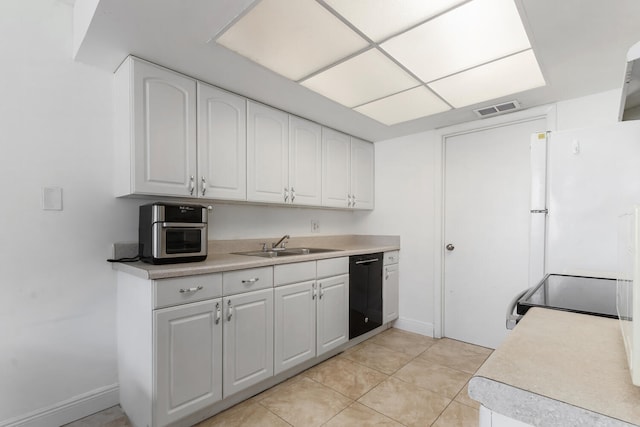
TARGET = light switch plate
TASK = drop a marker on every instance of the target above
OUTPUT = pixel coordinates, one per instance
(51, 198)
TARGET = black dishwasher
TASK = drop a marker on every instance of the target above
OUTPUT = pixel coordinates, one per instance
(365, 293)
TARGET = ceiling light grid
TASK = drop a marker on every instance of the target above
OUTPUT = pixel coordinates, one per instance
(372, 55)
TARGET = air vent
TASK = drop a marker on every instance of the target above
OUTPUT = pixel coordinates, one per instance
(493, 110)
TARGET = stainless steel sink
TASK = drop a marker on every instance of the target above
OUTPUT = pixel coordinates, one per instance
(286, 252)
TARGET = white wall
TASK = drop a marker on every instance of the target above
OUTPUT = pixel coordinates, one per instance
(57, 306)
(404, 206)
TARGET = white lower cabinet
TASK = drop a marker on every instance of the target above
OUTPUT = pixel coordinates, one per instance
(248, 339)
(333, 310)
(311, 316)
(390, 286)
(188, 354)
(187, 344)
(295, 324)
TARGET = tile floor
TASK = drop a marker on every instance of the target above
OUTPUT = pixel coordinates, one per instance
(396, 378)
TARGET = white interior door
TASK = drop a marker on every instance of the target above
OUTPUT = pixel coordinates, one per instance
(486, 231)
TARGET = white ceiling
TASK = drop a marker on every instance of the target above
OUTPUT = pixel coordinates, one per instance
(580, 45)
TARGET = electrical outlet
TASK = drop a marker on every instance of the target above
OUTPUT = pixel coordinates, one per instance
(315, 226)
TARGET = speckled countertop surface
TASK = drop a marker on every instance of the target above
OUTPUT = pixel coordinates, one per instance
(559, 369)
(221, 258)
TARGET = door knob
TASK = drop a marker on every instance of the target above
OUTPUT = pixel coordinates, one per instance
(450, 247)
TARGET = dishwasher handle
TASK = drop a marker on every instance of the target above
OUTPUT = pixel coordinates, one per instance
(367, 261)
(513, 319)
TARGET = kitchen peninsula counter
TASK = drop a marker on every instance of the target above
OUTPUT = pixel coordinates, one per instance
(559, 369)
(221, 255)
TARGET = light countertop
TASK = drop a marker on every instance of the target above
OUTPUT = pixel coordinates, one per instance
(221, 258)
(558, 369)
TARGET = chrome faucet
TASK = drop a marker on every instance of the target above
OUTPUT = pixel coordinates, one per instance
(275, 245)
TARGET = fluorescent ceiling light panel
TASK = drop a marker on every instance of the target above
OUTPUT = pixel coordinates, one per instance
(404, 106)
(363, 78)
(506, 76)
(472, 34)
(294, 38)
(379, 19)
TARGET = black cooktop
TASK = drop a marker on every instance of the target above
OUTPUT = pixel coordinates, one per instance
(588, 295)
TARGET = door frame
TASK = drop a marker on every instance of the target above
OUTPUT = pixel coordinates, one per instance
(547, 112)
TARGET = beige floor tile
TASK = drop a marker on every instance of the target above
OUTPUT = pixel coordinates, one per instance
(268, 392)
(405, 403)
(245, 414)
(458, 415)
(346, 377)
(355, 348)
(463, 397)
(359, 415)
(402, 341)
(463, 345)
(440, 379)
(306, 403)
(380, 358)
(454, 354)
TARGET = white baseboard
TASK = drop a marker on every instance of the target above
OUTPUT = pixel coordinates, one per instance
(69, 410)
(416, 326)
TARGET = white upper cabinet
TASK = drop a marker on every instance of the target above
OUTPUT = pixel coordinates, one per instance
(267, 154)
(155, 130)
(362, 179)
(305, 160)
(347, 171)
(336, 153)
(222, 144)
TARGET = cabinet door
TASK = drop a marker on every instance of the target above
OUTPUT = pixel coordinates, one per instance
(362, 179)
(188, 359)
(222, 144)
(305, 160)
(164, 130)
(390, 288)
(333, 309)
(295, 324)
(248, 339)
(267, 154)
(336, 150)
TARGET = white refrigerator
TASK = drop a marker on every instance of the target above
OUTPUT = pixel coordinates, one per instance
(593, 177)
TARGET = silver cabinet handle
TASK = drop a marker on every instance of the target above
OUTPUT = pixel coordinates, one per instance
(321, 292)
(313, 291)
(386, 274)
(353, 204)
(349, 200)
(189, 290)
(204, 185)
(218, 313)
(229, 310)
(254, 280)
(192, 184)
(293, 194)
(286, 194)
(450, 247)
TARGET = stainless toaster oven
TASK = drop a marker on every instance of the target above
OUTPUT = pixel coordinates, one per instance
(172, 233)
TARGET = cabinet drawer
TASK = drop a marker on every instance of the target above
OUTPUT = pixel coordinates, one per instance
(235, 282)
(294, 273)
(391, 257)
(182, 290)
(332, 267)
